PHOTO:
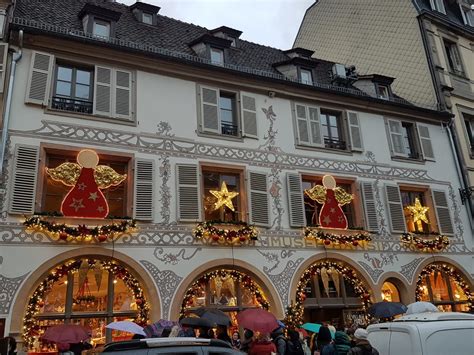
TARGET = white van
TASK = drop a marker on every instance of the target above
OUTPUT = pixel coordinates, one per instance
(443, 333)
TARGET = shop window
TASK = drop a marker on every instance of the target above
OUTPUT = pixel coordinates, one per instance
(415, 210)
(390, 292)
(55, 191)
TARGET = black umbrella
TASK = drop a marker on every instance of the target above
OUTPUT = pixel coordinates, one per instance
(195, 322)
(387, 309)
(214, 315)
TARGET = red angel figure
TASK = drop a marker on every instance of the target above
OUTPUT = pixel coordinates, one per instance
(332, 198)
(87, 178)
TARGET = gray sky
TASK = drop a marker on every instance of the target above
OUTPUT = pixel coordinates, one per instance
(269, 22)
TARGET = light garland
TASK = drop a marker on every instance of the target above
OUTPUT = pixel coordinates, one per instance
(245, 281)
(36, 301)
(293, 316)
(346, 272)
(208, 229)
(64, 232)
(453, 274)
(341, 239)
(411, 240)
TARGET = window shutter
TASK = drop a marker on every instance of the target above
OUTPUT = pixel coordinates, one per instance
(395, 209)
(370, 210)
(259, 213)
(123, 94)
(396, 137)
(3, 64)
(425, 141)
(39, 79)
(445, 223)
(210, 109)
(315, 126)
(143, 202)
(302, 124)
(25, 172)
(189, 201)
(249, 116)
(103, 91)
(355, 131)
(295, 200)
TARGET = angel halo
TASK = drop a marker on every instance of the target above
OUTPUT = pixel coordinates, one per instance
(87, 178)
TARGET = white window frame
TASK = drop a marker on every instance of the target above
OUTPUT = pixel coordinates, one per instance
(438, 5)
(383, 89)
(218, 52)
(467, 15)
(98, 22)
(455, 54)
(309, 74)
(149, 16)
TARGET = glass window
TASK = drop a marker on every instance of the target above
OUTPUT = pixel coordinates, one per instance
(390, 292)
(409, 199)
(306, 77)
(101, 28)
(383, 92)
(73, 89)
(227, 114)
(454, 58)
(438, 5)
(409, 140)
(469, 124)
(147, 18)
(217, 56)
(332, 130)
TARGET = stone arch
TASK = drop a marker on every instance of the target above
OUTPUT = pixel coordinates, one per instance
(42, 271)
(276, 306)
(405, 290)
(444, 260)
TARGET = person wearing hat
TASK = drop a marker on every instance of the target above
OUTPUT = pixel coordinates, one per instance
(362, 346)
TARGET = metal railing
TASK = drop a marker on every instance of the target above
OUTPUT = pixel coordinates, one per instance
(229, 129)
(68, 104)
(335, 143)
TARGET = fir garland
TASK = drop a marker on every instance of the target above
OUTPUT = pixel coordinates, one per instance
(412, 240)
(244, 233)
(341, 239)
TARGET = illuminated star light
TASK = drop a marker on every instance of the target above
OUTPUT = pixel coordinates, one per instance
(418, 211)
(224, 197)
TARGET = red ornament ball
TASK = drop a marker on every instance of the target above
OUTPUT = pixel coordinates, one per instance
(420, 246)
(355, 243)
(102, 238)
(138, 301)
(440, 246)
(327, 242)
(40, 303)
(232, 234)
(63, 236)
(242, 238)
(215, 237)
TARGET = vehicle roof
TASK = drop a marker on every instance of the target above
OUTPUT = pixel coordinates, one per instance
(163, 342)
(435, 316)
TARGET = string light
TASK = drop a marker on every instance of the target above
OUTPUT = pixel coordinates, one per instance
(340, 239)
(418, 213)
(411, 240)
(242, 233)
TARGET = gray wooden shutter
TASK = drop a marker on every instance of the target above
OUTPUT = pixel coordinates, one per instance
(144, 180)
(3, 64)
(315, 126)
(355, 131)
(189, 201)
(370, 210)
(39, 78)
(425, 141)
(396, 137)
(443, 215)
(302, 124)
(395, 209)
(103, 91)
(295, 200)
(123, 94)
(210, 109)
(25, 173)
(258, 194)
(249, 116)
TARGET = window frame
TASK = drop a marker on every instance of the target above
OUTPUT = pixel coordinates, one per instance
(101, 22)
(469, 131)
(427, 202)
(220, 51)
(378, 88)
(467, 15)
(438, 5)
(417, 153)
(341, 128)
(147, 15)
(309, 72)
(234, 97)
(452, 56)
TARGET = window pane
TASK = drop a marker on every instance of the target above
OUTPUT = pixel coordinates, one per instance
(82, 92)
(227, 117)
(123, 297)
(390, 292)
(425, 295)
(223, 291)
(55, 300)
(458, 292)
(101, 29)
(306, 77)
(63, 88)
(83, 77)
(97, 327)
(213, 181)
(225, 103)
(64, 74)
(90, 289)
(217, 56)
(147, 18)
(439, 287)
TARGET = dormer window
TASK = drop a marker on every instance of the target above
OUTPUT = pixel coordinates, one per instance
(145, 13)
(383, 91)
(99, 21)
(147, 18)
(467, 15)
(217, 56)
(438, 5)
(101, 28)
(306, 76)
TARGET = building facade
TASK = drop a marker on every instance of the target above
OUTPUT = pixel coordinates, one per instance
(153, 167)
(425, 44)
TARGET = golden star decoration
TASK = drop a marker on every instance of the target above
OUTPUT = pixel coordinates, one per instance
(224, 197)
(418, 212)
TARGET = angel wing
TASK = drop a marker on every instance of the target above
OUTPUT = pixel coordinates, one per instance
(105, 177)
(67, 173)
(342, 197)
(317, 193)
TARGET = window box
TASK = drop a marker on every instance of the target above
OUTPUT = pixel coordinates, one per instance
(334, 237)
(428, 242)
(218, 231)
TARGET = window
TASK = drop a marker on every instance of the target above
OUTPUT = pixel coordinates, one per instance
(73, 89)
(415, 198)
(410, 140)
(438, 5)
(228, 114)
(332, 130)
(217, 56)
(390, 292)
(453, 57)
(306, 76)
(383, 91)
(469, 124)
(101, 28)
(54, 191)
(467, 15)
(147, 18)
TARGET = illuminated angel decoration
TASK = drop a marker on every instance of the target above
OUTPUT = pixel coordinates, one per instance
(86, 199)
(332, 198)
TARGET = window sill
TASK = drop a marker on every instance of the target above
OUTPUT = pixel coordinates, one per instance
(409, 160)
(461, 76)
(91, 117)
(325, 150)
(220, 136)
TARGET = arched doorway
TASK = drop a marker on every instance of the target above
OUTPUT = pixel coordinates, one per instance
(88, 291)
(443, 285)
(228, 290)
(332, 291)
(390, 292)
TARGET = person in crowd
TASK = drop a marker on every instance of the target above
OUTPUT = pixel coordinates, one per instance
(174, 331)
(187, 332)
(262, 346)
(294, 346)
(166, 332)
(279, 340)
(222, 334)
(247, 342)
(340, 346)
(206, 333)
(324, 338)
(235, 341)
(363, 346)
(350, 331)
(77, 348)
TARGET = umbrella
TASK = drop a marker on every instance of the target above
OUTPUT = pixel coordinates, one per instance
(214, 315)
(66, 334)
(280, 324)
(257, 319)
(195, 322)
(387, 309)
(126, 326)
(420, 307)
(155, 330)
(314, 327)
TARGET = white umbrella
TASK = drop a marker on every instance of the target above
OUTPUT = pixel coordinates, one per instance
(126, 326)
(420, 307)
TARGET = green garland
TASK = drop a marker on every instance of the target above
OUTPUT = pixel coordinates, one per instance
(209, 230)
(412, 240)
(341, 239)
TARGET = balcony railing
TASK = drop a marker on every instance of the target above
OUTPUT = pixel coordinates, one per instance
(334, 143)
(229, 129)
(73, 105)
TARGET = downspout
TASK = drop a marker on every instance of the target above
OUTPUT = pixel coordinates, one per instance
(456, 151)
(8, 102)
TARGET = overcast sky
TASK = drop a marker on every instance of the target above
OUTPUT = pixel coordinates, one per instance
(269, 22)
